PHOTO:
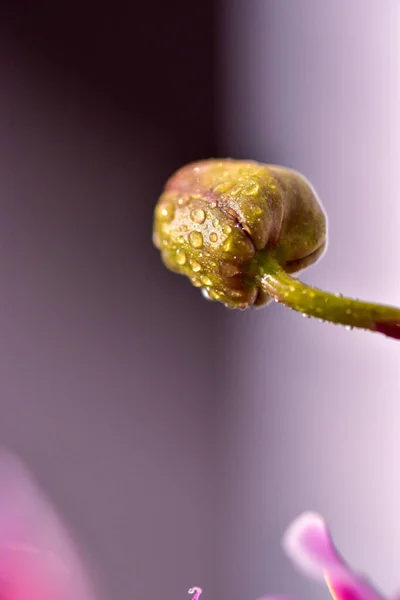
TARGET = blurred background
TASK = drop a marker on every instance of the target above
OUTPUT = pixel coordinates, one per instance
(177, 439)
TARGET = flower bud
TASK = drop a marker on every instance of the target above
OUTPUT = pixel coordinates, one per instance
(215, 216)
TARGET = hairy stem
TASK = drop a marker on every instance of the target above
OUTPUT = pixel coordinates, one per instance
(329, 307)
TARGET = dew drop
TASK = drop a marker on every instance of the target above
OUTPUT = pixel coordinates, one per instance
(215, 222)
(223, 187)
(214, 295)
(205, 294)
(238, 189)
(213, 237)
(195, 239)
(228, 245)
(198, 215)
(183, 200)
(180, 257)
(227, 229)
(206, 280)
(252, 188)
(166, 211)
(213, 204)
(196, 267)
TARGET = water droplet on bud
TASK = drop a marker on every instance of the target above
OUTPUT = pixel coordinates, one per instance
(198, 215)
(166, 211)
(206, 280)
(195, 239)
(183, 200)
(205, 294)
(180, 257)
(196, 267)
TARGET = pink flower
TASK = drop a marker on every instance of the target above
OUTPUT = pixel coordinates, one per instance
(196, 591)
(38, 560)
(308, 543)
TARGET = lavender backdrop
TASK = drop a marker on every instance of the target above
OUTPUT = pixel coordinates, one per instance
(177, 439)
(107, 362)
(312, 420)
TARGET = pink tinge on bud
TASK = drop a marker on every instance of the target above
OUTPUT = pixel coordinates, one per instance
(389, 328)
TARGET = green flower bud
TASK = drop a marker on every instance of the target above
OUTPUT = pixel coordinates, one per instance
(215, 216)
(238, 229)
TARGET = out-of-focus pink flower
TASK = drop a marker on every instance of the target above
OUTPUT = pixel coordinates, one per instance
(196, 591)
(38, 560)
(308, 543)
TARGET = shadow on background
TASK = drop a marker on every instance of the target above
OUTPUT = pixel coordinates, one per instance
(108, 384)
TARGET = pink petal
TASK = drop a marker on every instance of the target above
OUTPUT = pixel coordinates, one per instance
(37, 559)
(309, 545)
(197, 591)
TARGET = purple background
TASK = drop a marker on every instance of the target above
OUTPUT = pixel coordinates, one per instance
(314, 415)
(178, 439)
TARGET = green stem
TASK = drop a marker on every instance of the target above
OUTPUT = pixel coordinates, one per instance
(325, 306)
